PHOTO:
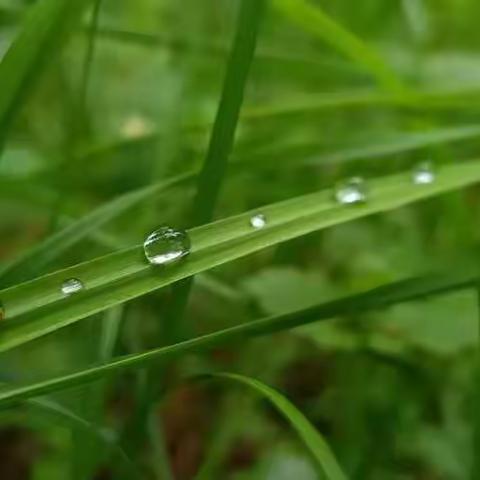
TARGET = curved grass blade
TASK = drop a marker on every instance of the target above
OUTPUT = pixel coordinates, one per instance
(41, 255)
(43, 33)
(38, 307)
(315, 21)
(317, 446)
(376, 299)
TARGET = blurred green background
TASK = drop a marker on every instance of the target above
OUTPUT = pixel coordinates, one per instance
(391, 391)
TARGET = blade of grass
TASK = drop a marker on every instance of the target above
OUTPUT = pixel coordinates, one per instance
(91, 400)
(37, 259)
(41, 255)
(314, 20)
(178, 43)
(388, 144)
(475, 472)
(45, 406)
(378, 298)
(43, 33)
(221, 143)
(317, 446)
(87, 64)
(38, 307)
(422, 100)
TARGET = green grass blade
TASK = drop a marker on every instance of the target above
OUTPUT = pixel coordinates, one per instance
(222, 138)
(42, 35)
(40, 256)
(378, 298)
(317, 446)
(315, 21)
(221, 142)
(38, 307)
(422, 100)
(90, 53)
(76, 422)
(475, 469)
(37, 259)
(390, 144)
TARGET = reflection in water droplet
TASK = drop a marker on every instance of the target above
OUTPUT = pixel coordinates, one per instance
(2, 312)
(351, 191)
(258, 221)
(71, 286)
(423, 174)
(166, 245)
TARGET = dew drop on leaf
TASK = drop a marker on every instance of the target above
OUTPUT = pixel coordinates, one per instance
(423, 174)
(351, 191)
(71, 286)
(258, 221)
(166, 245)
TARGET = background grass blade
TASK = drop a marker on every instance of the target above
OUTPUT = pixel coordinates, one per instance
(48, 407)
(378, 298)
(221, 142)
(38, 307)
(41, 255)
(42, 35)
(317, 446)
(314, 20)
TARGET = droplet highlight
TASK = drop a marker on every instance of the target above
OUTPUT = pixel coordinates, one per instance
(71, 286)
(166, 245)
(258, 221)
(351, 191)
(424, 174)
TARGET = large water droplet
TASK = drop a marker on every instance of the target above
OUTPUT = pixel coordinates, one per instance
(424, 174)
(71, 286)
(351, 191)
(258, 221)
(166, 245)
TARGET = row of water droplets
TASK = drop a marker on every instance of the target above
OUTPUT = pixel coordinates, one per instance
(168, 245)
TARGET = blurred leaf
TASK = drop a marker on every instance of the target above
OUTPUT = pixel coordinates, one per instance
(445, 325)
(43, 33)
(284, 289)
(314, 20)
(52, 409)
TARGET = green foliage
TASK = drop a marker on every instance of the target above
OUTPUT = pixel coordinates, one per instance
(201, 115)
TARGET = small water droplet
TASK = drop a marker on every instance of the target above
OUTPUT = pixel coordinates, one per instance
(71, 286)
(258, 221)
(2, 312)
(351, 191)
(424, 174)
(166, 245)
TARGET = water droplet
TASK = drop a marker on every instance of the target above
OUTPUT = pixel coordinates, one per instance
(166, 245)
(2, 312)
(258, 221)
(71, 286)
(424, 174)
(351, 191)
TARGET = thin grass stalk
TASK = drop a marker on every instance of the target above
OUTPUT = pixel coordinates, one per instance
(221, 143)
